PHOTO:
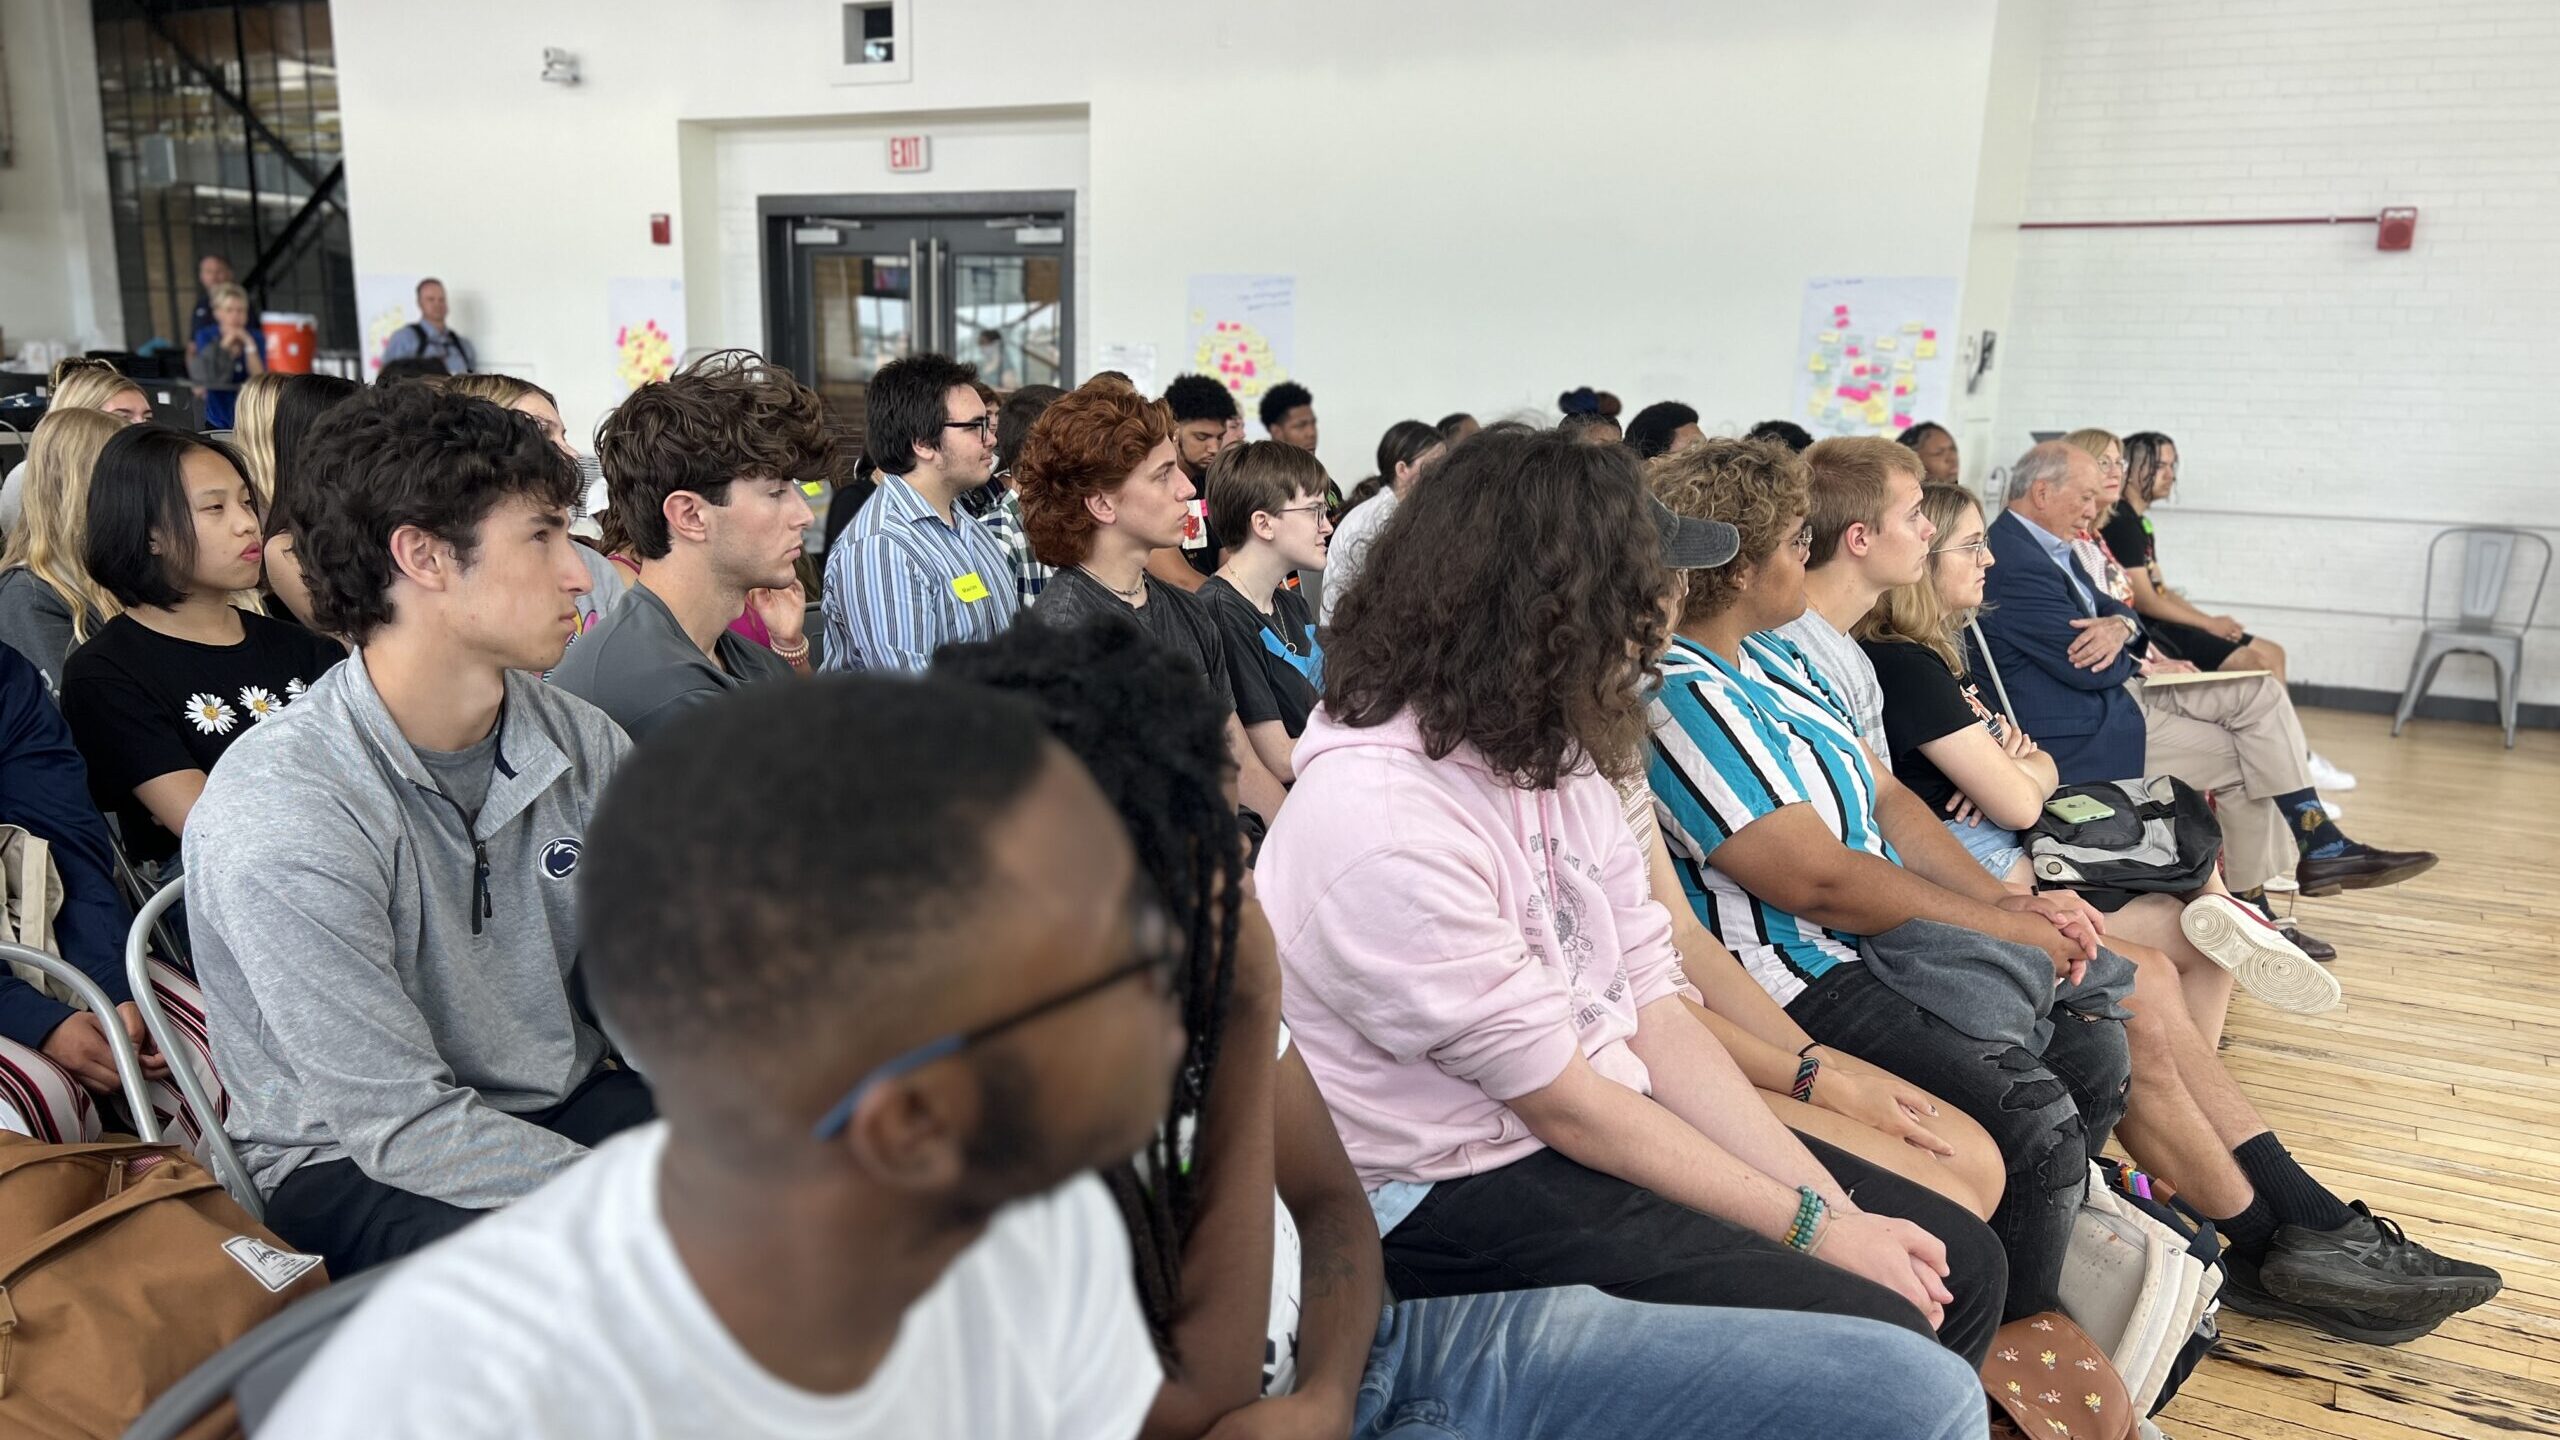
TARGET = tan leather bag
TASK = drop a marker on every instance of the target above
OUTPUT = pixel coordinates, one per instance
(122, 1267)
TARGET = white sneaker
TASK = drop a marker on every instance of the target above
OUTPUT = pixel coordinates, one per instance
(2325, 776)
(2337, 812)
(2239, 939)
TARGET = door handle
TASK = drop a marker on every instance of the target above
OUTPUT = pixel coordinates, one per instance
(919, 333)
(941, 301)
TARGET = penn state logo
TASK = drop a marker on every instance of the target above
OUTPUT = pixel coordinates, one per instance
(560, 858)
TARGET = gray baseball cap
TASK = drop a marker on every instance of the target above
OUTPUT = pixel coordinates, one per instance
(1693, 544)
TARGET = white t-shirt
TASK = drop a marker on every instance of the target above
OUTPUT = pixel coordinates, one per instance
(1347, 553)
(1847, 668)
(1288, 1276)
(569, 1314)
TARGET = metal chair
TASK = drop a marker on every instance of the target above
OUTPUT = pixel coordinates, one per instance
(2488, 559)
(219, 1156)
(137, 1094)
(255, 1370)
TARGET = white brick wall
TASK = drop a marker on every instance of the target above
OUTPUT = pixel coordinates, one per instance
(2334, 405)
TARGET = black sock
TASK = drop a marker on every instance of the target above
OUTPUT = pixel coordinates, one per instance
(2314, 833)
(2252, 1230)
(2255, 900)
(2285, 1187)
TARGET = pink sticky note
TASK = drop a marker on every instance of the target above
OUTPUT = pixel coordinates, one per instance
(1839, 309)
(1928, 334)
(1901, 421)
(1248, 367)
(1902, 389)
(1853, 350)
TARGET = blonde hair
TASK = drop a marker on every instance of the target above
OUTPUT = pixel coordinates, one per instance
(503, 391)
(253, 432)
(1913, 614)
(2095, 443)
(224, 294)
(89, 385)
(52, 533)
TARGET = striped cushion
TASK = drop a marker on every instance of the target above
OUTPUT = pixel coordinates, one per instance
(41, 1099)
(183, 1003)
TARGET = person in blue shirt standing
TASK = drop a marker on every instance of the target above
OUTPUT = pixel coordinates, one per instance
(226, 354)
(429, 337)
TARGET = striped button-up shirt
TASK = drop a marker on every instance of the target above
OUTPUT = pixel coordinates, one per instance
(902, 580)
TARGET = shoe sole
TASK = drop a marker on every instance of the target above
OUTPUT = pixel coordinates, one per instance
(2266, 964)
(2268, 1307)
(2370, 882)
(2427, 1300)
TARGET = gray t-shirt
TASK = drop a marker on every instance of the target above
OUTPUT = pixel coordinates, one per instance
(463, 775)
(1847, 668)
(1348, 551)
(639, 666)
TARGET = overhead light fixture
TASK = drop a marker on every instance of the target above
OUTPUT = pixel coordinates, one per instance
(559, 67)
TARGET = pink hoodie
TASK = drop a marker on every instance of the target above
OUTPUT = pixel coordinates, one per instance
(1448, 941)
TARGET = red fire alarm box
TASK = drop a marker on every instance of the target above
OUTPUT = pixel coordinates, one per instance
(660, 232)
(2399, 226)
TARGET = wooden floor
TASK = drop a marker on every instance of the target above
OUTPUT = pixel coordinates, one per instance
(2434, 1094)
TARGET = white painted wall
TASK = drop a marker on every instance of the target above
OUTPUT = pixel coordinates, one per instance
(1482, 208)
(2334, 406)
(57, 247)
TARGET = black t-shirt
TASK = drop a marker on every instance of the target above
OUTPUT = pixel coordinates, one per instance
(1171, 618)
(142, 705)
(1273, 659)
(1925, 701)
(2129, 539)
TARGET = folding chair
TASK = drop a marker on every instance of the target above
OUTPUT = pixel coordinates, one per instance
(255, 1370)
(137, 1093)
(219, 1156)
(136, 895)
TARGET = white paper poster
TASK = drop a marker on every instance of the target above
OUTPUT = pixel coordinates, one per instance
(384, 303)
(1243, 332)
(1875, 355)
(646, 319)
(1137, 361)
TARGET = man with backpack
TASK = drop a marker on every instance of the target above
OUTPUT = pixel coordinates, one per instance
(428, 337)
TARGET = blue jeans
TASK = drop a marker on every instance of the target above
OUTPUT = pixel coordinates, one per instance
(1998, 848)
(1574, 1361)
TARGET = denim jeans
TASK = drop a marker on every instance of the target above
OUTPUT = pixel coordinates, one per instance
(2049, 1113)
(1577, 1362)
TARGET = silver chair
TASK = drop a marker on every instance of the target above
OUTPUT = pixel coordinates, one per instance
(255, 1370)
(2488, 560)
(137, 1095)
(219, 1156)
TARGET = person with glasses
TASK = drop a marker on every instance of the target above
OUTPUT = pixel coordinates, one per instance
(1796, 851)
(915, 570)
(1268, 500)
(1260, 1267)
(893, 1052)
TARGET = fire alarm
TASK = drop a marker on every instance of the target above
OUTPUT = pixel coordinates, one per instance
(2399, 226)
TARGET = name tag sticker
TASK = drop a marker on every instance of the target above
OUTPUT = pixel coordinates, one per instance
(969, 588)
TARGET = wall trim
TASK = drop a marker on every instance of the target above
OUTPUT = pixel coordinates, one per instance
(2434, 707)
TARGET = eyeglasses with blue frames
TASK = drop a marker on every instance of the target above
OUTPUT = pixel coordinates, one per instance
(1158, 956)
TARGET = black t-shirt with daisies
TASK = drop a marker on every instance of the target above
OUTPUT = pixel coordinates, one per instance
(142, 705)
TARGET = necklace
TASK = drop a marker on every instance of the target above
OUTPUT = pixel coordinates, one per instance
(1270, 619)
(1131, 594)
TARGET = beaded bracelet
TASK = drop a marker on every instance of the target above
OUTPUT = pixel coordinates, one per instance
(1807, 1229)
(1806, 1069)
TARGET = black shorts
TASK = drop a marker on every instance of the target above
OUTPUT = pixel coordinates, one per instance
(2200, 648)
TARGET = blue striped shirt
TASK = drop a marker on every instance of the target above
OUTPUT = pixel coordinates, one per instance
(901, 580)
(1733, 742)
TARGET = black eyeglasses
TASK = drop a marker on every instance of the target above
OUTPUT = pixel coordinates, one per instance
(985, 425)
(1159, 956)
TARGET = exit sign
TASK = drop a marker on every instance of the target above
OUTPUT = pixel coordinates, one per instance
(909, 154)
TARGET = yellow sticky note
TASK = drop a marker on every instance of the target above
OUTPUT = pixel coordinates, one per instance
(1886, 342)
(1819, 365)
(1830, 337)
(969, 588)
(1813, 407)
(1901, 367)
(1926, 350)
(1875, 412)
(1912, 327)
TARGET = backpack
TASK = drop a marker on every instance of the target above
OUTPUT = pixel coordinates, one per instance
(2160, 838)
(2144, 1276)
(124, 1267)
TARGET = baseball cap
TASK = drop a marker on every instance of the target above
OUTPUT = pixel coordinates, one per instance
(1693, 544)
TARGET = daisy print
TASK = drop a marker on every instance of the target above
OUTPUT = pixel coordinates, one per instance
(293, 690)
(210, 715)
(260, 702)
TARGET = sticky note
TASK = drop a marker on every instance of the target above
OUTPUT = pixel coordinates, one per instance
(1886, 342)
(969, 588)
(1875, 412)
(1926, 350)
(1830, 337)
(1820, 365)
(1839, 309)
(1902, 421)
(1912, 327)
(1928, 334)
(1902, 367)
(1853, 351)
(1902, 389)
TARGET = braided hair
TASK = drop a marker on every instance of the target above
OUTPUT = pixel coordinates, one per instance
(1154, 740)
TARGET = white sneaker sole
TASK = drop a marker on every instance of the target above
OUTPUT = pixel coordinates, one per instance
(2266, 964)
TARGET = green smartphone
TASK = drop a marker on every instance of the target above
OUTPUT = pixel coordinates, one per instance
(2078, 809)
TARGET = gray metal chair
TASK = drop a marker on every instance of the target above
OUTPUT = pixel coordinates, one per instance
(220, 1158)
(137, 1094)
(2488, 560)
(255, 1370)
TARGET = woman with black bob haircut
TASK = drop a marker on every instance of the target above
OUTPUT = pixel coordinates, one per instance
(161, 691)
(1474, 966)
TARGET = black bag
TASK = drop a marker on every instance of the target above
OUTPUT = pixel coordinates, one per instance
(2162, 838)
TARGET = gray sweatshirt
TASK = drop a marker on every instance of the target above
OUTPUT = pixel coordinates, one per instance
(369, 996)
(35, 621)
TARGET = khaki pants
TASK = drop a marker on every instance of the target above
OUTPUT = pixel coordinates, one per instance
(2240, 741)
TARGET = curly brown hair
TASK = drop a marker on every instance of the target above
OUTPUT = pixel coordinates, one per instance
(1512, 603)
(1759, 487)
(727, 416)
(1082, 446)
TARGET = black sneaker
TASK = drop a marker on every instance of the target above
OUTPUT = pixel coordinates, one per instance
(2242, 1291)
(2370, 1264)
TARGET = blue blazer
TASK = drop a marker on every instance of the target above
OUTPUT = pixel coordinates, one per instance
(2085, 719)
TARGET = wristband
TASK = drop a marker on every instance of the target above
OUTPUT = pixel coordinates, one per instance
(1806, 1069)
(1807, 1229)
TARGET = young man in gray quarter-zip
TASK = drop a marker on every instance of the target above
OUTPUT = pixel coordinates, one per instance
(380, 879)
